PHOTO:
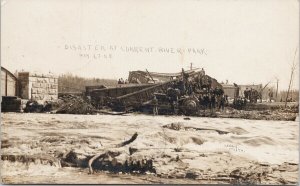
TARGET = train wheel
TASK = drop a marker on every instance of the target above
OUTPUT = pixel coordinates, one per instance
(189, 106)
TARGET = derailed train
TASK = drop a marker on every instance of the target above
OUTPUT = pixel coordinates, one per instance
(186, 93)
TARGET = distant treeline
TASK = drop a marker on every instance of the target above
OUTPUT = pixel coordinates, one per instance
(281, 95)
(72, 83)
(293, 95)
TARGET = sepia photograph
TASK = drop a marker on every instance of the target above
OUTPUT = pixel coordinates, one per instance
(150, 92)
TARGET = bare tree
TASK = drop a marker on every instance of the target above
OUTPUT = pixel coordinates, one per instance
(292, 73)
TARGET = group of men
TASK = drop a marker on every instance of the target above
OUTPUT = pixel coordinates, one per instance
(251, 94)
(239, 102)
(197, 86)
(213, 99)
(121, 81)
(204, 95)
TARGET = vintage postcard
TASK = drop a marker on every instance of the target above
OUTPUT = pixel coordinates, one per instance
(150, 92)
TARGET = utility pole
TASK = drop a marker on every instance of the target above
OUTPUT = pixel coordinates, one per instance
(277, 80)
(292, 73)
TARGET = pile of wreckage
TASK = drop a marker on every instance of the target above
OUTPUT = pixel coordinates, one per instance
(71, 104)
(67, 104)
(189, 93)
(178, 93)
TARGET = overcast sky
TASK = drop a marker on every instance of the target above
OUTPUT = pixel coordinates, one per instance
(244, 41)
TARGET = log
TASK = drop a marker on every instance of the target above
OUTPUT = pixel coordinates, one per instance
(134, 136)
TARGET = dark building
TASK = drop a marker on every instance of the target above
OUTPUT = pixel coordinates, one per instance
(9, 83)
(9, 92)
